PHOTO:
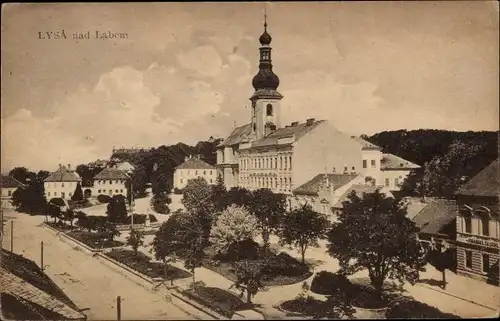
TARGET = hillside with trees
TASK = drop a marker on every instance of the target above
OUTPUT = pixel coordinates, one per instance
(448, 158)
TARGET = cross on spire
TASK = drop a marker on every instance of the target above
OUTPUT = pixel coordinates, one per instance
(265, 17)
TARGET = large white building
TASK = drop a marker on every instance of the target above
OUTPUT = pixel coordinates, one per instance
(192, 168)
(61, 183)
(265, 153)
(8, 185)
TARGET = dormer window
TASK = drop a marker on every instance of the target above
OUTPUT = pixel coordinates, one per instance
(269, 110)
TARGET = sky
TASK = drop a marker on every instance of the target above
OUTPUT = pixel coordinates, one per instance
(184, 72)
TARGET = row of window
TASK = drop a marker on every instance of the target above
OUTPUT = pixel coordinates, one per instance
(211, 181)
(373, 163)
(281, 184)
(485, 261)
(63, 194)
(396, 181)
(196, 173)
(271, 162)
(484, 221)
(110, 192)
(102, 182)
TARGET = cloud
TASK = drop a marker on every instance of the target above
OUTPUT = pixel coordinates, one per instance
(203, 60)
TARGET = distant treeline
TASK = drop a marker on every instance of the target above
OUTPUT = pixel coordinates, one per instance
(448, 159)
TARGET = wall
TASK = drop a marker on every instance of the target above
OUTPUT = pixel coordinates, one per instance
(401, 175)
(6, 196)
(261, 117)
(324, 146)
(181, 176)
(56, 189)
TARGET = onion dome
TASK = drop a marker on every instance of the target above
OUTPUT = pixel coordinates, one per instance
(265, 38)
(265, 79)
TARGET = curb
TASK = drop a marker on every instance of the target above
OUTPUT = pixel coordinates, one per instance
(458, 297)
(178, 295)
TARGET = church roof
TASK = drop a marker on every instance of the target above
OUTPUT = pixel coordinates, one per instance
(237, 136)
(63, 174)
(483, 184)
(111, 173)
(390, 161)
(195, 163)
(9, 182)
(313, 186)
(366, 144)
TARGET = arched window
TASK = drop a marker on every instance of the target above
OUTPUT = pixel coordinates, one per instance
(466, 213)
(269, 110)
(484, 215)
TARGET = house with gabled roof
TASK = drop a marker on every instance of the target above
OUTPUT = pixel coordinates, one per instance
(110, 181)
(192, 168)
(8, 185)
(62, 183)
(266, 153)
(29, 294)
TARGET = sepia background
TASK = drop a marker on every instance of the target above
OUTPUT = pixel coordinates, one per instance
(184, 72)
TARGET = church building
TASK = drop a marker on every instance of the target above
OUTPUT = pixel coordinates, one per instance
(265, 153)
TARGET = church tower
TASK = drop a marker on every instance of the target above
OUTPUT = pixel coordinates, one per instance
(266, 99)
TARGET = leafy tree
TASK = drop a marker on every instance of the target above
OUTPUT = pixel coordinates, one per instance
(219, 195)
(234, 225)
(87, 173)
(117, 209)
(197, 199)
(302, 228)
(53, 211)
(78, 194)
(269, 208)
(57, 201)
(135, 239)
(83, 221)
(139, 179)
(239, 196)
(374, 233)
(110, 229)
(68, 216)
(248, 278)
(30, 198)
(22, 174)
(160, 203)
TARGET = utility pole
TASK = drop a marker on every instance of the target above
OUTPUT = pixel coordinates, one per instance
(118, 308)
(41, 254)
(12, 236)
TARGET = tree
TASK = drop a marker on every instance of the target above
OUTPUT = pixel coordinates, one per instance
(22, 174)
(83, 221)
(197, 199)
(269, 209)
(219, 195)
(302, 228)
(30, 198)
(248, 278)
(53, 211)
(78, 194)
(235, 224)
(68, 215)
(194, 236)
(160, 202)
(374, 233)
(117, 209)
(135, 239)
(239, 196)
(110, 229)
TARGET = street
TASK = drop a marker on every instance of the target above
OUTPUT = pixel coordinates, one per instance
(89, 283)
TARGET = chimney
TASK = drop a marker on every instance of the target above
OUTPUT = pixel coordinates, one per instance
(295, 123)
(310, 121)
(69, 166)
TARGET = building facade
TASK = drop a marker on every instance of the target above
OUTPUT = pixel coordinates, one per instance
(265, 153)
(478, 226)
(8, 185)
(192, 168)
(61, 183)
(110, 181)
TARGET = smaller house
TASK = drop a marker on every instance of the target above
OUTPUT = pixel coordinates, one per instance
(61, 183)
(395, 170)
(192, 168)
(110, 181)
(29, 294)
(126, 167)
(8, 185)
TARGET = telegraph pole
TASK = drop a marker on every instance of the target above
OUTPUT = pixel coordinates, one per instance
(12, 236)
(41, 254)
(118, 308)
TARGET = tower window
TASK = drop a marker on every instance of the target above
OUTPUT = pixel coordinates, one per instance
(254, 127)
(269, 110)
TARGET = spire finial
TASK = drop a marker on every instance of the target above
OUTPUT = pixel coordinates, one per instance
(265, 18)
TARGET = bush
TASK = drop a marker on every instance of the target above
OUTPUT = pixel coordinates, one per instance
(138, 219)
(103, 198)
(219, 300)
(328, 283)
(152, 218)
(57, 201)
(244, 250)
(283, 264)
(177, 191)
(409, 308)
